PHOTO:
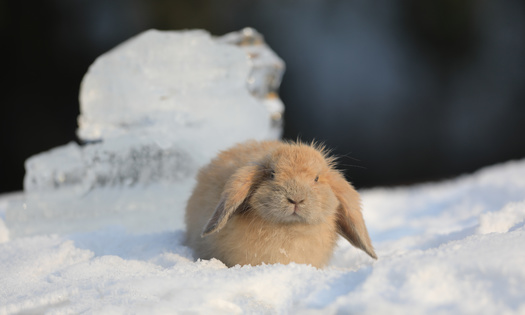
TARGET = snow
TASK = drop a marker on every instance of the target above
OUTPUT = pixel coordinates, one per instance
(99, 228)
(444, 248)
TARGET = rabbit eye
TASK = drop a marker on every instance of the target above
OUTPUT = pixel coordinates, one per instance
(272, 174)
(316, 178)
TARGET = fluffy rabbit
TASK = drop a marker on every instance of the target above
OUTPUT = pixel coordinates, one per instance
(273, 202)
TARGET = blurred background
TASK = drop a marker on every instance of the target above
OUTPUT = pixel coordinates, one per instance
(404, 91)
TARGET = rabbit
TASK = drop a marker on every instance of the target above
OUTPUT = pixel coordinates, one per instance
(273, 202)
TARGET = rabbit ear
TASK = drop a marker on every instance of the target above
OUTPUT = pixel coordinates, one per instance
(350, 220)
(235, 193)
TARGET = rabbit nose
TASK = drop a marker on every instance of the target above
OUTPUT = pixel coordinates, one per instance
(295, 192)
(294, 201)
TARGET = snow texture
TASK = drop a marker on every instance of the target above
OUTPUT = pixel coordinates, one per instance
(454, 247)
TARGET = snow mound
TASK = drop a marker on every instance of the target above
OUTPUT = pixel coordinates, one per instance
(453, 247)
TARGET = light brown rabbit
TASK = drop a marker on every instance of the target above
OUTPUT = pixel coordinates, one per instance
(273, 202)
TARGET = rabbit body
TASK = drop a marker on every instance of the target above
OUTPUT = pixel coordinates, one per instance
(273, 202)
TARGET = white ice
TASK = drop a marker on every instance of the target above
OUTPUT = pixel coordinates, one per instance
(162, 104)
(454, 247)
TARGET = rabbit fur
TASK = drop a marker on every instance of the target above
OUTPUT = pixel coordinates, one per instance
(273, 202)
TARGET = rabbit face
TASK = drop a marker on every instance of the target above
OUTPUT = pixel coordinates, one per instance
(293, 188)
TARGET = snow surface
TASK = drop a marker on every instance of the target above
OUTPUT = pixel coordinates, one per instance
(99, 228)
(454, 247)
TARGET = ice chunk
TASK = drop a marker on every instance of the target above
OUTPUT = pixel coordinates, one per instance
(153, 111)
(124, 162)
(163, 103)
(180, 80)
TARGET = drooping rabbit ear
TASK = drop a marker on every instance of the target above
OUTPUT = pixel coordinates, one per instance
(350, 220)
(235, 192)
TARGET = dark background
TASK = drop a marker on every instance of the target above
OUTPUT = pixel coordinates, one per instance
(405, 91)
